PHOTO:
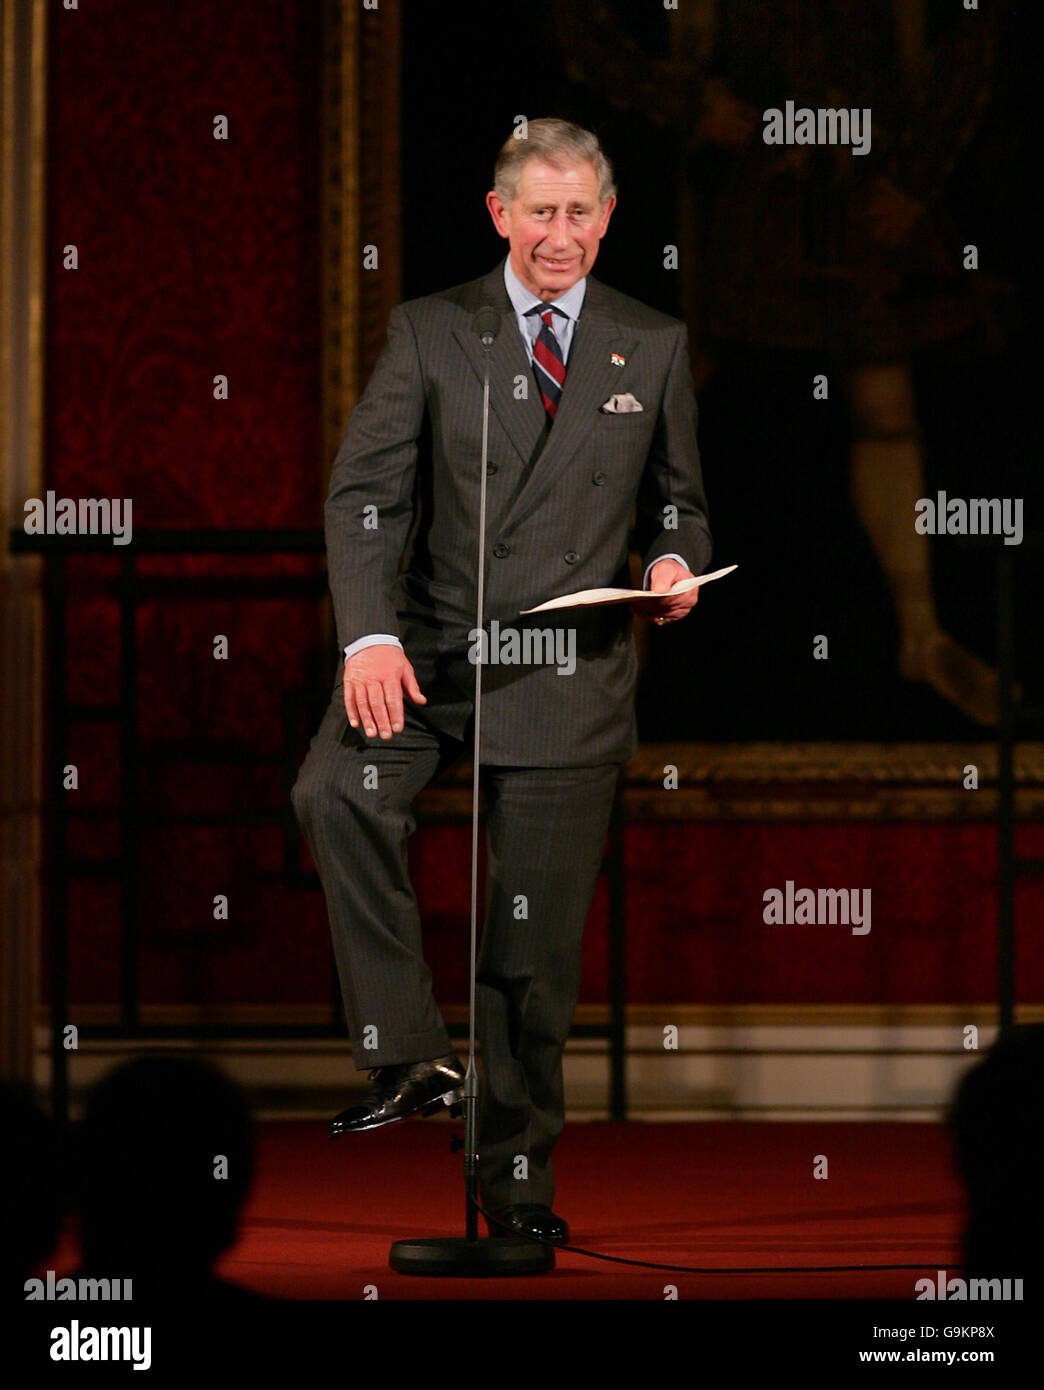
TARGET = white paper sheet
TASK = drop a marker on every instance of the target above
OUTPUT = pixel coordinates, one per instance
(594, 598)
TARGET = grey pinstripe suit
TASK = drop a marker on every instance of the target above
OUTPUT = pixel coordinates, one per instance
(559, 503)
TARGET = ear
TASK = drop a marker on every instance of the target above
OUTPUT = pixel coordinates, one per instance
(607, 212)
(499, 213)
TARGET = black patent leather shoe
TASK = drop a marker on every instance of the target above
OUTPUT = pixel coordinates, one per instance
(401, 1091)
(529, 1219)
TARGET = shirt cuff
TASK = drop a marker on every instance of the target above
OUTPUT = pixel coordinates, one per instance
(681, 561)
(375, 639)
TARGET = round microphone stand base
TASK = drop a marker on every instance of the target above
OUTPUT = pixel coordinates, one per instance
(476, 1259)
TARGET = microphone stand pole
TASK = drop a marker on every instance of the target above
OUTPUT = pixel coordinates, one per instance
(495, 1255)
(471, 1097)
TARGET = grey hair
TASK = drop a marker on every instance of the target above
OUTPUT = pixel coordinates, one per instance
(557, 143)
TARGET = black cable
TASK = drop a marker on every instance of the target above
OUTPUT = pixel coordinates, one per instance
(699, 1269)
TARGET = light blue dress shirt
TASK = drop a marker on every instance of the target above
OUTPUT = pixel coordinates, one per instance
(567, 310)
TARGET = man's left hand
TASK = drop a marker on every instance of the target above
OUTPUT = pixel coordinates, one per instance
(663, 576)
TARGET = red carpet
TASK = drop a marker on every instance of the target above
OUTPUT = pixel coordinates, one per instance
(323, 1213)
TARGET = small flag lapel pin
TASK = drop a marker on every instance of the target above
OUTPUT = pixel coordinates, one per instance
(617, 360)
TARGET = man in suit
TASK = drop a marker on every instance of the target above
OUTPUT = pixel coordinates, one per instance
(593, 420)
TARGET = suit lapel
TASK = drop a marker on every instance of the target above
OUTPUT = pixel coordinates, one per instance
(524, 420)
(590, 379)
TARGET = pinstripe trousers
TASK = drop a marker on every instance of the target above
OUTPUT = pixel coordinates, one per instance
(546, 830)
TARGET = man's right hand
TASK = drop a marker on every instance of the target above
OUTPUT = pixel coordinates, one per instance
(374, 680)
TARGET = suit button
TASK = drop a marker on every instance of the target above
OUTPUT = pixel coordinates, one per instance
(598, 478)
(500, 550)
(491, 468)
(571, 557)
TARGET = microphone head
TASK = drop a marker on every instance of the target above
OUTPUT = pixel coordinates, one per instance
(486, 324)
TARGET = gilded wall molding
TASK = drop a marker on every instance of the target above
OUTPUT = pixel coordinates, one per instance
(360, 201)
(802, 782)
(23, 118)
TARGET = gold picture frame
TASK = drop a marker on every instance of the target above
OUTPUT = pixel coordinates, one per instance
(360, 202)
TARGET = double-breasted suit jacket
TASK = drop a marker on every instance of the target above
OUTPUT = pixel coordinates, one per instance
(402, 514)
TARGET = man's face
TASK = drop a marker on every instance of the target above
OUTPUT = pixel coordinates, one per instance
(553, 226)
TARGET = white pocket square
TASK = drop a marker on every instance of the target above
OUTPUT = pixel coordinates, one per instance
(623, 404)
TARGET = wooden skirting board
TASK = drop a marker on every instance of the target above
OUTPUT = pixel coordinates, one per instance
(684, 1062)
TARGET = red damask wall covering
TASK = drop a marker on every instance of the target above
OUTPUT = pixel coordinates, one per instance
(197, 257)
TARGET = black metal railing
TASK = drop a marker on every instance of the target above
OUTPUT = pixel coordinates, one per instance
(132, 587)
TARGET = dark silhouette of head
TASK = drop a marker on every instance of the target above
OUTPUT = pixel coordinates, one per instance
(30, 1180)
(164, 1161)
(997, 1119)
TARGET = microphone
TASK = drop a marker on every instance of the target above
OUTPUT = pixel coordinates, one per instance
(486, 324)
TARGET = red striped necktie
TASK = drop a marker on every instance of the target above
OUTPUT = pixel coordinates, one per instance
(548, 362)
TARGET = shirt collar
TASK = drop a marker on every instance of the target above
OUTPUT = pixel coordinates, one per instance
(522, 298)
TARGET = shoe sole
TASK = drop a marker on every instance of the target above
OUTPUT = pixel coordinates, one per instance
(451, 1100)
